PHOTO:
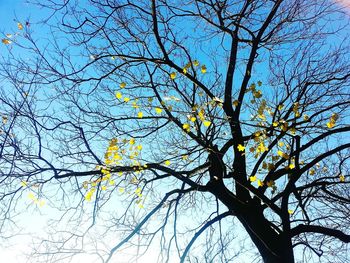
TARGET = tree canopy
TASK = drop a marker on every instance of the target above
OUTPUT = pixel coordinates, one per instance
(194, 131)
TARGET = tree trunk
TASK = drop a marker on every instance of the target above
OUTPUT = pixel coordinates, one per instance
(273, 247)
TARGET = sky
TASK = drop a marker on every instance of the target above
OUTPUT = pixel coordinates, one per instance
(12, 252)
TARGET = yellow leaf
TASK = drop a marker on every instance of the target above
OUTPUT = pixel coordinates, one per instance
(261, 148)
(42, 203)
(132, 141)
(89, 194)
(306, 117)
(312, 171)
(121, 190)
(257, 94)
(118, 95)
(290, 211)
(334, 117)
(126, 99)
(260, 183)
(240, 148)
(196, 63)
(134, 105)
(270, 183)
(134, 180)
(280, 106)
(291, 166)
(203, 69)
(122, 85)
(111, 182)
(342, 178)
(140, 114)
(235, 103)
(6, 41)
(186, 127)
(184, 157)
(104, 188)
(20, 26)
(167, 162)
(284, 126)
(330, 124)
(184, 70)
(32, 196)
(24, 184)
(206, 123)
(252, 178)
(193, 119)
(283, 155)
(139, 147)
(173, 75)
(158, 110)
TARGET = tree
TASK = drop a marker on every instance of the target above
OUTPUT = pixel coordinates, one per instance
(204, 117)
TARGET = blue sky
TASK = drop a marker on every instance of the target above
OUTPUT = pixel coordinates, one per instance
(9, 10)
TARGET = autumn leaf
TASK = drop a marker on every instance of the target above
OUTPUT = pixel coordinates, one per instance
(186, 127)
(158, 110)
(118, 95)
(206, 123)
(19, 26)
(252, 178)
(235, 103)
(6, 41)
(240, 148)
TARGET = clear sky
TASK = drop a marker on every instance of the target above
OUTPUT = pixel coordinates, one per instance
(12, 11)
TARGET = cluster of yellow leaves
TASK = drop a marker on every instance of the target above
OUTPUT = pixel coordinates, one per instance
(39, 202)
(118, 151)
(332, 121)
(198, 113)
(296, 109)
(7, 40)
(257, 94)
(185, 69)
(259, 146)
(31, 195)
(140, 199)
(261, 183)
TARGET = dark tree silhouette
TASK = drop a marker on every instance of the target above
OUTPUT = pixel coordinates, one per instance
(180, 127)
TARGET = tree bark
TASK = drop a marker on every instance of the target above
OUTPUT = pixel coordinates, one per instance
(273, 247)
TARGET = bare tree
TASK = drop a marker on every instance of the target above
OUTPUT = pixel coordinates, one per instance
(185, 125)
